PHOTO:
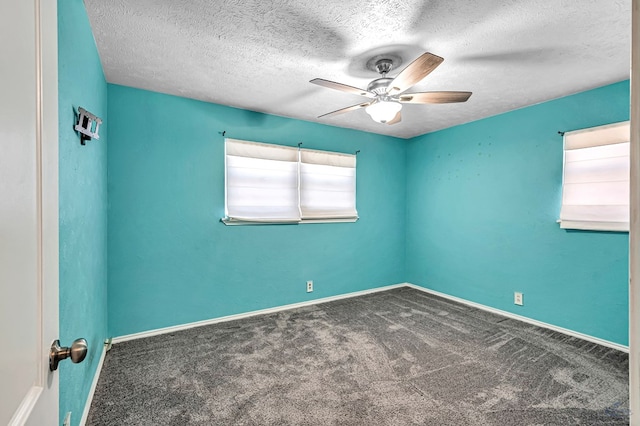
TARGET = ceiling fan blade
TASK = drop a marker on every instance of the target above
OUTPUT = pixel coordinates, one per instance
(396, 119)
(342, 87)
(414, 72)
(347, 109)
(434, 97)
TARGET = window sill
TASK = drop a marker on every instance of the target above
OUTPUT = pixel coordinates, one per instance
(232, 222)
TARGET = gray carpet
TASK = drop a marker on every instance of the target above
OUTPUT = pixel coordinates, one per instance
(400, 357)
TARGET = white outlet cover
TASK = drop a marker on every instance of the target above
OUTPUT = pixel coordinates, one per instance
(518, 298)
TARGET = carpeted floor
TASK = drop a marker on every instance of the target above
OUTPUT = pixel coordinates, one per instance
(400, 357)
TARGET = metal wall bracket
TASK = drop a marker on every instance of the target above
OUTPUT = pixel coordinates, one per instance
(88, 125)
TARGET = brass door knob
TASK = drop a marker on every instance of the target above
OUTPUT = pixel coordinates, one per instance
(77, 352)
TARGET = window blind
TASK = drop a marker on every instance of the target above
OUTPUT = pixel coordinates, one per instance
(327, 185)
(261, 182)
(595, 189)
(267, 183)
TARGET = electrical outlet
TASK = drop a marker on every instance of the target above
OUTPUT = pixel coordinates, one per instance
(67, 419)
(309, 286)
(518, 298)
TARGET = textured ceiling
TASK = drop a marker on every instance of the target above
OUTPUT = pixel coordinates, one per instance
(260, 55)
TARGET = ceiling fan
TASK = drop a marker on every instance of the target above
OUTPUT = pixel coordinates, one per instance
(388, 94)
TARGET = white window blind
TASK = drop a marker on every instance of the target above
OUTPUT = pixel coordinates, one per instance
(327, 185)
(267, 183)
(595, 187)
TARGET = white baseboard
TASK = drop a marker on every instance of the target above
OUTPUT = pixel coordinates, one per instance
(525, 319)
(175, 328)
(172, 329)
(94, 384)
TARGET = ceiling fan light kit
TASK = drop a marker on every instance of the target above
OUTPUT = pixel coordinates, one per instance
(383, 111)
(388, 95)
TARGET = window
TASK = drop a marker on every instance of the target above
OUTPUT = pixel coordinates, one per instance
(595, 184)
(267, 183)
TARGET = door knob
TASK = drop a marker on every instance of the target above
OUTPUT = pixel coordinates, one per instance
(76, 352)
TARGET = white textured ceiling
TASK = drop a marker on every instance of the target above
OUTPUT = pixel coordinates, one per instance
(260, 55)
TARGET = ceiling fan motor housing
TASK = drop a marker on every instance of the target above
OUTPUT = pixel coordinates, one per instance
(379, 86)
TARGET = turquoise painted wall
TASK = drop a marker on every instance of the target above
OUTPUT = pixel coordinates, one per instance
(171, 260)
(83, 205)
(483, 202)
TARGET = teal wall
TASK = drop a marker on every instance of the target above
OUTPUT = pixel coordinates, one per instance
(171, 260)
(83, 205)
(482, 207)
(469, 211)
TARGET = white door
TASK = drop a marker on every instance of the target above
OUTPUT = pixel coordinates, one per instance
(28, 211)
